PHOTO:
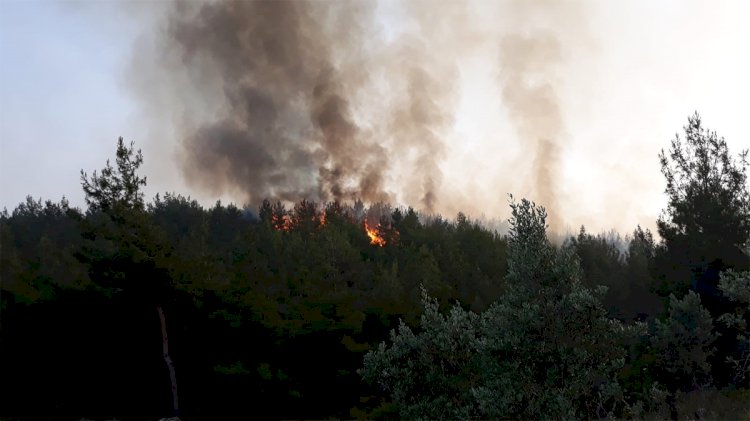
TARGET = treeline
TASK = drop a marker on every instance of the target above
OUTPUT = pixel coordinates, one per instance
(283, 312)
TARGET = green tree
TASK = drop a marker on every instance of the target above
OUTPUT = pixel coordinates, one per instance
(125, 249)
(685, 340)
(549, 348)
(708, 212)
(116, 189)
(431, 374)
(624, 273)
(683, 344)
(37, 250)
(546, 349)
(736, 287)
(602, 263)
(639, 266)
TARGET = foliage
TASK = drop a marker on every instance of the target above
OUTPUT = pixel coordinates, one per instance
(736, 287)
(122, 246)
(118, 187)
(549, 340)
(285, 304)
(37, 245)
(543, 351)
(684, 342)
(432, 374)
(708, 212)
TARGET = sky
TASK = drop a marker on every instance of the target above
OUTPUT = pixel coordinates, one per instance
(630, 75)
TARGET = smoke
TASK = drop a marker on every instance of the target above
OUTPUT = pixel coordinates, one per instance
(527, 64)
(292, 100)
(286, 129)
(343, 100)
(531, 62)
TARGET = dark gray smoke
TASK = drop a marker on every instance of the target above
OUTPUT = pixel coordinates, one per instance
(288, 88)
(286, 131)
(342, 100)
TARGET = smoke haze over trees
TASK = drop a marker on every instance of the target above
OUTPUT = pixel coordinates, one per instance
(76, 70)
(346, 101)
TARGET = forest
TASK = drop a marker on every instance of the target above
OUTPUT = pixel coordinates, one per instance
(136, 310)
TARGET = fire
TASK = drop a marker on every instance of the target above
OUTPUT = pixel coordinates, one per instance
(374, 235)
(282, 224)
(289, 223)
(308, 218)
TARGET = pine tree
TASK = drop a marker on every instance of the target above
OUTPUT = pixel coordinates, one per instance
(546, 349)
(708, 212)
(124, 247)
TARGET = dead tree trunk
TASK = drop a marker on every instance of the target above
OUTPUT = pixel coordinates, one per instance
(168, 360)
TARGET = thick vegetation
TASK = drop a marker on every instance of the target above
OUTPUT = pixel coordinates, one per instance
(138, 310)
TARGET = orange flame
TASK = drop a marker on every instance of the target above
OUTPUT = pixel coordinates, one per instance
(282, 224)
(287, 223)
(374, 234)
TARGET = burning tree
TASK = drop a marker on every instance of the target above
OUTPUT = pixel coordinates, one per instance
(307, 216)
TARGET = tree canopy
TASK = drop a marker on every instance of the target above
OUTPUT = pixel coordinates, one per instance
(370, 311)
(119, 186)
(707, 219)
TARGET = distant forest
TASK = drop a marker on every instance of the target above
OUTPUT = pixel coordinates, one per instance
(136, 311)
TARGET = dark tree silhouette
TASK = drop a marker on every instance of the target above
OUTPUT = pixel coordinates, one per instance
(282, 308)
(125, 247)
(707, 219)
(116, 189)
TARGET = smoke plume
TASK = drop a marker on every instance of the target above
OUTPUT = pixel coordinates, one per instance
(527, 63)
(531, 61)
(343, 100)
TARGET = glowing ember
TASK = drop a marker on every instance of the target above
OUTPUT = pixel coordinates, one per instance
(374, 235)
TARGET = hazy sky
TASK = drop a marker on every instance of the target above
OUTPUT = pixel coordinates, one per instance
(626, 87)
